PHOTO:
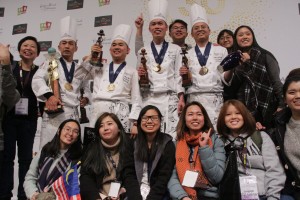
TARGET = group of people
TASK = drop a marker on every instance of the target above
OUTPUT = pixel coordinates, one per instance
(175, 126)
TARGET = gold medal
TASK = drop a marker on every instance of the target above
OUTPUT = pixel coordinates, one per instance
(68, 87)
(111, 87)
(157, 68)
(203, 71)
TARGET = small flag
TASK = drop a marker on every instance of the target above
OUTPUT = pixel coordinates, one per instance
(66, 187)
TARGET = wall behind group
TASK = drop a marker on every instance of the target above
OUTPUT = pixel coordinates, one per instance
(275, 23)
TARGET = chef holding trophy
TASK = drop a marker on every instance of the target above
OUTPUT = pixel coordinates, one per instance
(55, 83)
(116, 88)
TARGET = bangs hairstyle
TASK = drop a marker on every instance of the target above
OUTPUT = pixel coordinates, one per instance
(52, 148)
(181, 126)
(111, 115)
(249, 125)
(292, 77)
(229, 32)
(38, 47)
(141, 139)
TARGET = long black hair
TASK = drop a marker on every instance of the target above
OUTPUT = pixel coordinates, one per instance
(52, 148)
(94, 158)
(236, 47)
(141, 141)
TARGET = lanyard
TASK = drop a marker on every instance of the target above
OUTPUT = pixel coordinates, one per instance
(159, 57)
(108, 154)
(202, 59)
(68, 74)
(193, 156)
(113, 76)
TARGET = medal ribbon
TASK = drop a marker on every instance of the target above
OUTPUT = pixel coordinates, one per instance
(113, 76)
(68, 74)
(159, 57)
(202, 59)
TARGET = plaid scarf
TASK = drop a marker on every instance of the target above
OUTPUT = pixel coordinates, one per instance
(258, 90)
(45, 177)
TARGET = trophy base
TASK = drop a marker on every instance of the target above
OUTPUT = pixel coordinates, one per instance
(84, 120)
(51, 112)
(96, 64)
(145, 85)
(187, 84)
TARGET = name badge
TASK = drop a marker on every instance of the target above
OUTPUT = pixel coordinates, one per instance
(248, 186)
(114, 189)
(21, 107)
(190, 178)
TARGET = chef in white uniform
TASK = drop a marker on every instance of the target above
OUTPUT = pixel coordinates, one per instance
(116, 88)
(163, 63)
(203, 60)
(69, 85)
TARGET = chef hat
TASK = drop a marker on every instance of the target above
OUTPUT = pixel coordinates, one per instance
(198, 14)
(122, 32)
(68, 29)
(158, 9)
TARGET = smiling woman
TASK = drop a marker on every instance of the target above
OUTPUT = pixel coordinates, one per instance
(53, 160)
(102, 161)
(149, 159)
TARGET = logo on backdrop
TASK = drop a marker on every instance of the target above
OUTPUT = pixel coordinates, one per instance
(2, 12)
(103, 2)
(45, 45)
(22, 10)
(103, 21)
(48, 7)
(45, 26)
(74, 4)
(19, 29)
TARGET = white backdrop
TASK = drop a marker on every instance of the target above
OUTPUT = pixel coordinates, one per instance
(275, 22)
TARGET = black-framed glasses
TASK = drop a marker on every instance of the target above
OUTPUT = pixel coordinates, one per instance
(153, 118)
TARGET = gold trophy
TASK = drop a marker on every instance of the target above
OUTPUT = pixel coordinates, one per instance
(83, 118)
(144, 80)
(53, 59)
(186, 78)
(96, 59)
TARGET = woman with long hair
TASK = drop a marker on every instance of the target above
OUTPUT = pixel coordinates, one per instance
(150, 158)
(254, 153)
(260, 86)
(103, 158)
(286, 135)
(199, 153)
(54, 159)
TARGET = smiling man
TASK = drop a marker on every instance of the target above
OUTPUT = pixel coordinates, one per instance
(116, 89)
(68, 84)
(163, 63)
(204, 59)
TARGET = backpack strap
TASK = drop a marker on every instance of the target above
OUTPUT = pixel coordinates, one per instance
(257, 139)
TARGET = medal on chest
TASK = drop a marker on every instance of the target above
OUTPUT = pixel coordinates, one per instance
(68, 87)
(203, 71)
(111, 87)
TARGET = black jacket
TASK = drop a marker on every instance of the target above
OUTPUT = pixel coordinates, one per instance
(292, 183)
(160, 174)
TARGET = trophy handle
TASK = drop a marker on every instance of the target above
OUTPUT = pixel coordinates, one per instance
(96, 59)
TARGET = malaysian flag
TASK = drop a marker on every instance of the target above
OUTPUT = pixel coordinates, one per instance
(66, 187)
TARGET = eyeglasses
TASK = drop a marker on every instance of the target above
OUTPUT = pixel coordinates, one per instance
(227, 38)
(69, 130)
(153, 118)
(180, 28)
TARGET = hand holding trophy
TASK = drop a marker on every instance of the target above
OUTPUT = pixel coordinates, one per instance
(53, 104)
(187, 76)
(144, 80)
(96, 59)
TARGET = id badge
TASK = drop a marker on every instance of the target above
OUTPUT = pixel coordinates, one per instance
(21, 108)
(190, 178)
(114, 189)
(248, 186)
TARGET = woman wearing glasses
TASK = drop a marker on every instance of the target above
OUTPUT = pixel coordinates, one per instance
(199, 154)
(54, 159)
(150, 158)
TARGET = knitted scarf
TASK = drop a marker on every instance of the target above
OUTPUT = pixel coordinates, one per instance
(183, 164)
